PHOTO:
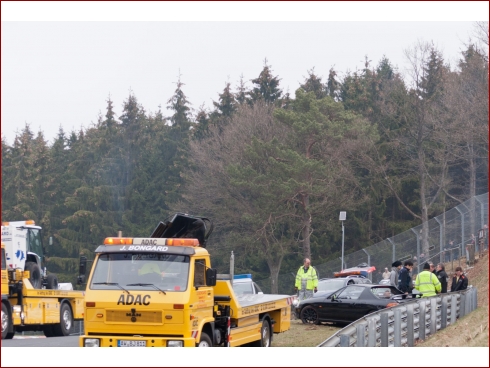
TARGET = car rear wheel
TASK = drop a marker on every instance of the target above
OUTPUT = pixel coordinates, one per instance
(309, 315)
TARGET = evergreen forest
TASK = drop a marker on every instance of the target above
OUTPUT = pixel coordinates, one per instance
(271, 169)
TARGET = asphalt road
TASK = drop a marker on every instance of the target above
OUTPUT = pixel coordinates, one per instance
(41, 341)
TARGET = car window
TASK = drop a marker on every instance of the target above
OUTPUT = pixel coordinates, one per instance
(351, 292)
(382, 292)
(330, 284)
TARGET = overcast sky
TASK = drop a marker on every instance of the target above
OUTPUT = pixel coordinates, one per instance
(59, 67)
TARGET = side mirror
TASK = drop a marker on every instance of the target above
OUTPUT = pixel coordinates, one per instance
(211, 276)
(82, 270)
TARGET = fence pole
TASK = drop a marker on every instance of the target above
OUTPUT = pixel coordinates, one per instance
(371, 332)
(398, 328)
(384, 329)
(443, 312)
(422, 319)
(410, 328)
(462, 305)
(453, 308)
(344, 341)
(418, 250)
(433, 315)
(361, 334)
(462, 233)
(441, 245)
(393, 250)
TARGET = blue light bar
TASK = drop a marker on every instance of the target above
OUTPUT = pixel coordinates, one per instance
(244, 276)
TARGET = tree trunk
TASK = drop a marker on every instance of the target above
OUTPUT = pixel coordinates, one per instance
(306, 228)
(274, 268)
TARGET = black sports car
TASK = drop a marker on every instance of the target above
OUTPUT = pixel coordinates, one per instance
(349, 303)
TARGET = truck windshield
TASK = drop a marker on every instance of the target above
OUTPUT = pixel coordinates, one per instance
(166, 271)
(35, 243)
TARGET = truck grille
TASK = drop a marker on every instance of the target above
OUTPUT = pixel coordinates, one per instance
(134, 316)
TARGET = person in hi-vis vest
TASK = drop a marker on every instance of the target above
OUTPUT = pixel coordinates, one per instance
(306, 280)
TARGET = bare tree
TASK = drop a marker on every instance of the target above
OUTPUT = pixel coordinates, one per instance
(418, 144)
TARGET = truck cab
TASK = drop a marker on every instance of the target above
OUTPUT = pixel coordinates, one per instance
(162, 292)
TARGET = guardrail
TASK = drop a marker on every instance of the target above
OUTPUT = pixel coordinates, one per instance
(402, 325)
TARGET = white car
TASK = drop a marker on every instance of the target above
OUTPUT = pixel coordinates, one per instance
(243, 284)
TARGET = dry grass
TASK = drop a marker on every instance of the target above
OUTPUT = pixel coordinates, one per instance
(301, 335)
(469, 331)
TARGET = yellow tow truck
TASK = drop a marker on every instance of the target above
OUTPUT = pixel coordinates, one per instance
(25, 308)
(161, 291)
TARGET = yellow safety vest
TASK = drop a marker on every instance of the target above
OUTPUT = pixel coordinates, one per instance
(310, 276)
(427, 283)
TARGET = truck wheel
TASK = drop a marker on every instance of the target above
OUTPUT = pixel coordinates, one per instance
(65, 327)
(52, 282)
(35, 274)
(265, 335)
(205, 341)
(6, 323)
(48, 331)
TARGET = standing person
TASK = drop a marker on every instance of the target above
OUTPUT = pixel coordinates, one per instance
(306, 280)
(442, 276)
(432, 267)
(427, 283)
(460, 281)
(405, 277)
(395, 268)
(386, 274)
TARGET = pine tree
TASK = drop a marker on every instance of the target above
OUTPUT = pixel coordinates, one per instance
(314, 84)
(266, 87)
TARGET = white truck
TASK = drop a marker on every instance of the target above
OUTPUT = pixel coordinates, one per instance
(24, 250)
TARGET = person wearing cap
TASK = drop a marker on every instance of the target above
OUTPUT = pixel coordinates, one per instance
(386, 274)
(427, 283)
(460, 281)
(406, 277)
(395, 269)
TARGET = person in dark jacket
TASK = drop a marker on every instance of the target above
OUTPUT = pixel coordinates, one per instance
(442, 276)
(405, 277)
(460, 281)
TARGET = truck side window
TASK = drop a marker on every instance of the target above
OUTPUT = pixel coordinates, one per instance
(199, 272)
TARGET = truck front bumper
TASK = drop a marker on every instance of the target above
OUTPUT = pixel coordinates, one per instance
(135, 341)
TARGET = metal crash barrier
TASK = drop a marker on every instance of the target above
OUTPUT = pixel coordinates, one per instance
(402, 325)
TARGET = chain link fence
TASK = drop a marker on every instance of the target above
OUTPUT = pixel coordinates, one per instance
(458, 233)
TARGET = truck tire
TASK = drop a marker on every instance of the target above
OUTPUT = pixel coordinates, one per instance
(6, 323)
(35, 274)
(205, 341)
(52, 282)
(265, 335)
(65, 327)
(48, 331)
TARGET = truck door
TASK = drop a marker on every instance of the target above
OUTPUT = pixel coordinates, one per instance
(204, 293)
